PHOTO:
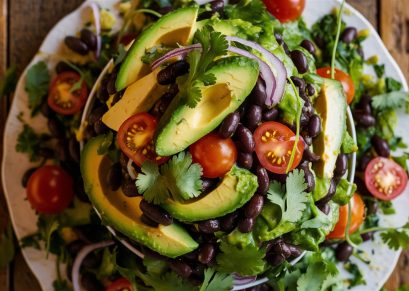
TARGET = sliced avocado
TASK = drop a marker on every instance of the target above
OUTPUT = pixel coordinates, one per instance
(172, 29)
(331, 106)
(181, 125)
(123, 213)
(138, 97)
(236, 188)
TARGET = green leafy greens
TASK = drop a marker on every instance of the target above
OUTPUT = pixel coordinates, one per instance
(37, 82)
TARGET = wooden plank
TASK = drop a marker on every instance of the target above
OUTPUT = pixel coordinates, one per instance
(368, 8)
(394, 30)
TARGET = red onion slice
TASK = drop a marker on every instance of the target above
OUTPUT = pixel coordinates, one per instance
(281, 72)
(174, 53)
(239, 280)
(80, 258)
(97, 20)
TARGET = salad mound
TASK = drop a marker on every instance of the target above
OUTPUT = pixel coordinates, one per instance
(217, 150)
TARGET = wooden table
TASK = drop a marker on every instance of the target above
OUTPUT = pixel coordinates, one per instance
(24, 24)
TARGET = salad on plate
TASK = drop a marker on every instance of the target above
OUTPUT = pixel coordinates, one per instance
(213, 146)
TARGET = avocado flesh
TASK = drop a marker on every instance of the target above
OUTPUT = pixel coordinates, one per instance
(181, 125)
(236, 189)
(138, 97)
(175, 28)
(123, 213)
(331, 106)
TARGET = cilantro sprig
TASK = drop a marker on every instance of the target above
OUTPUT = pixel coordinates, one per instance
(214, 45)
(178, 179)
(37, 82)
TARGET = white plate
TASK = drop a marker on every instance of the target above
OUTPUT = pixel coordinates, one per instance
(15, 164)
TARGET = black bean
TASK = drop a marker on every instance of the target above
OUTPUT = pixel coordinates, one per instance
(349, 35)
(310, 180)
(90, 282)
(205, 15)
(365, 104)
(209, 226)
(100, 127)
(46, 110)
(310, 90)
(117, 97)
(198, 272)
(304, 120)
(363, 162)
(308, 109)
(156, 213)
(279, 38)
(299, 83)
(281, 248)
(246, 225)
(102, 93)
(149, 222)
(253, 117)
(208, 185)
(331, 192)
(181, 268)
(61, 151)
(361, 187)
(367, 236)
(169, 74)
(286, 49)
(319, 40)
(26, 176)
(243, 109)
(192, 256)
(324, 207)
(228, 222)
(275, 259)
(300, 61)
(96, 114)
(89, 38)
(295, 251)
(365, 120)
(245, 160)
(207, 253)
(258, 95)
(229, 125)
(111, 88)
(160, 106)
(307, 139)
(381, 146)
(341, 165)
(92, 260)
(247, 143)
(114, 177)
(129, 188)
(263, 180)
(46, 153)
(270, 114)
(343, 251)
(62, 67)
(310, 156)
(314, 126)
(217, 5)
(254, 206)
(309, 46)
(89, 132)
(74, 149)
(56, 128)
(76, 45)
(123, 160)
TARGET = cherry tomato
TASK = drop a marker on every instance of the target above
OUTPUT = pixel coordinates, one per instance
(215, 154)
(61, 97)
(274, 145)
(385, 179)
(285, 10)
(344, 78)
(121, 284)
(357, 217)
(50, 189)
(135, 138)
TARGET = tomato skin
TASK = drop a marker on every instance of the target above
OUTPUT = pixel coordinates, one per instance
(279, 143)
(357, 218)
(215, 154)
(344, 78)
(382, 172)
(61, 100)
(121, 284)
(140, 148)
(285, 10)
(50, 189)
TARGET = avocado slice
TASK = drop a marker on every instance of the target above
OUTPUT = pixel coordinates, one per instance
(181, 125)
(138, 97)
(123, 213)
(331, 106)
(236, 188)
(175, 28)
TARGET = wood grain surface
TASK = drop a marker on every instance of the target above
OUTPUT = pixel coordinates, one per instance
(24, 24)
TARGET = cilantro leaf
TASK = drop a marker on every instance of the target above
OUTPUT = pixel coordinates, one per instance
(357, 276)
(179, 179)
(275, 194)
(216, 281)
(169, 282)
(37, 82)
(296, 198)
(379, 70)
(392, 100)
(396, 239)
(246, 261)
(106, 143)
(28, 141)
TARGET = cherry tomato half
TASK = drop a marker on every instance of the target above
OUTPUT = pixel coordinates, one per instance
(61, 97)
(215, 154)
(50, 189)
(344, 78)
(357, 217)
(385, 179)
(135, 138)
(121, 284)
(274, 144)
(285, 10)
